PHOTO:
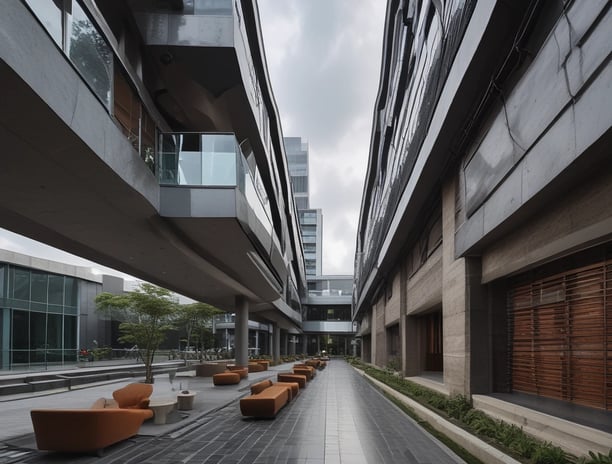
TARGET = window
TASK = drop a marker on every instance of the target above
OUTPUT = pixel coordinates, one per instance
(39, 287)
(90, 53)
(21, 284)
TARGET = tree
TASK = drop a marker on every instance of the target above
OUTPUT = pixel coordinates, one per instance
(146, 317)
(195, 318)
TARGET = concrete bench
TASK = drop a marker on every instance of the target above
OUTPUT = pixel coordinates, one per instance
(267, 403)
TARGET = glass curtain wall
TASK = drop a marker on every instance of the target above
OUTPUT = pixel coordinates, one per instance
(38, 318)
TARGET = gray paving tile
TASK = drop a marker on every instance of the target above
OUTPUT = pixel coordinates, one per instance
(339, 418)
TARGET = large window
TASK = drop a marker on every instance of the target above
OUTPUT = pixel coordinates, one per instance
(43, 315)
(70, 27)
(90, 53)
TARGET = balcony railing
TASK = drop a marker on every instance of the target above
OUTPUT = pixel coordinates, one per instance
(213, 160)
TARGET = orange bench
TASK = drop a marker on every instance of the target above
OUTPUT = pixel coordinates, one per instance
(226, 378)
(308, 371)
(266, 403)
(291, 377)
(262, 385)
(243, 371)
(91, 430)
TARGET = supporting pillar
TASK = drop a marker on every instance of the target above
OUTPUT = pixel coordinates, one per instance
(292, 342)
(257, 342)
(241, 332)
(276, 343)
(286, 344)
(305, 344)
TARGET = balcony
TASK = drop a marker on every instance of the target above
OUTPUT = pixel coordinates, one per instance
(212, 192)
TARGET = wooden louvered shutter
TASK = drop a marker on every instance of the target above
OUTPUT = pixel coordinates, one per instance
(561, 336)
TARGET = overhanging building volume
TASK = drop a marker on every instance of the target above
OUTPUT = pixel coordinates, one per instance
(145, 136)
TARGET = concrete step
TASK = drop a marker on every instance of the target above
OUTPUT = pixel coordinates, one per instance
(574, 438)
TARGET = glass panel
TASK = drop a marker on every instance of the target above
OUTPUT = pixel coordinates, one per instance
(56, 290)
(213, 7)
(70, 333)
(38, 335)
(190, 160)
(21, 284)
(54, 331)
(71, 292)
(39, 287)
(219, 159)
(90, 54)
(2, 272)
(20, 330)
(49, 13)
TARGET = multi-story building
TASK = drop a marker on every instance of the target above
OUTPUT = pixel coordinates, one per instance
(310, 219)
(326, 314)
(484, 244)
(47, 312)
(144, 136)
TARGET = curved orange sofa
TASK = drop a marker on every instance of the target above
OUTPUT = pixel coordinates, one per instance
(93, 429)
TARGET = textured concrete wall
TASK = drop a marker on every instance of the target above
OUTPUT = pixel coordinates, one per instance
(393, 301)
(580, 218)
(454, 302)
(424, 288)
(380, 342)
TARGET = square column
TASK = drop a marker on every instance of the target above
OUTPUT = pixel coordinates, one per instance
(241, 332)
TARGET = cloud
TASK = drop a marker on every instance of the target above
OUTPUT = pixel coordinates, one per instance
(324, 77)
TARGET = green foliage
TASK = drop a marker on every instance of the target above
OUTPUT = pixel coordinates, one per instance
(596, 458)
(147, 316)
(196, 319)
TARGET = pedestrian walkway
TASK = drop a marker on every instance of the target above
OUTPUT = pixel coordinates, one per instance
(338, 418)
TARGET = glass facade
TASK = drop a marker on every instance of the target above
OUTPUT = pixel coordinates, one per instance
(38, 317)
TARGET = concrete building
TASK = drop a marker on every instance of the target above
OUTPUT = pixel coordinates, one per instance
(47, 311)
(485, 235)
(145, 137)
(326, 311)
(310, 219)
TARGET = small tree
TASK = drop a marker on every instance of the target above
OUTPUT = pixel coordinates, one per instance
(195, 318)
(146, 317)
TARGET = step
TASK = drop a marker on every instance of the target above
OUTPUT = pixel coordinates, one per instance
(574, 438)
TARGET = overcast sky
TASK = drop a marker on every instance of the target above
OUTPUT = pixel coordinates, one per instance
(324, 61)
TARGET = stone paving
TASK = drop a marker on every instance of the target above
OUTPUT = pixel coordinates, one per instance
(338, 418)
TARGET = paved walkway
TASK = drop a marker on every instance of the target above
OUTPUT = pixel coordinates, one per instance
(338, 418)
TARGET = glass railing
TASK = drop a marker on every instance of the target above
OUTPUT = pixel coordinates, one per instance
(199, 159)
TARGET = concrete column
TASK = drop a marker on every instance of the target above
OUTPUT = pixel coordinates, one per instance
(5, 346)
(276, 343)
(286, 343)
(257, 341)
(304, 344)
(241, 332)
(455, 313)
(292, 343)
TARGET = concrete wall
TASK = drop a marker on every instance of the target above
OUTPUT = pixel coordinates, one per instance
(578, 219)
